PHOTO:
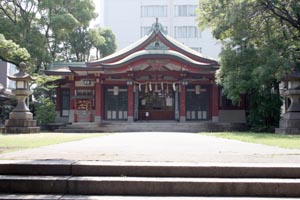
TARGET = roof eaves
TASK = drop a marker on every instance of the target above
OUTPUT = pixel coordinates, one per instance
(185, 48)
(124, 51)
(158, 53)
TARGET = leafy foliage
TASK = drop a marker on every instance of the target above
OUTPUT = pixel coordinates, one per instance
(54, 30)
(261, 43)
(109, 46)
(5, 108)
(44, 27)
(81, 44)
(44, 86)
(11, 52)
(45, 111)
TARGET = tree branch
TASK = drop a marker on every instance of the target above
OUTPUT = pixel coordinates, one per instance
(7, 14)
(282, 13)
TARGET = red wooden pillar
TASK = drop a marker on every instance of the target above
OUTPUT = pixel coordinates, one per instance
(72, 102)
(58, 99)
(99, 102)
(215, 103)
(72, 94)
(130, 103)
(182, 109)
(90, 110)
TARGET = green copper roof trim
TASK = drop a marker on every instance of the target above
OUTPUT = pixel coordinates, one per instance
(161, 52)
(157, 45)
(57, 65)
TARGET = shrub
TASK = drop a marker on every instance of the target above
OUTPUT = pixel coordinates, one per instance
(5, 108)
(45, 111)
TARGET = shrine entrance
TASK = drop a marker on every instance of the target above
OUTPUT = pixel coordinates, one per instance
(197, 106)
(157, 102)
(116, 103)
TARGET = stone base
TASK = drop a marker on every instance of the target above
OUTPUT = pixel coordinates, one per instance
(98, 119)
(182, 119)
(215, 118)
(21, 130)
(20, 126)
(289, 124)
(291, 115)
(130, 119)
(20, 115)
(289, 131)
(20, 123)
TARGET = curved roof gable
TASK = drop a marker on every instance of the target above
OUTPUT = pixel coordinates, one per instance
(157, 41)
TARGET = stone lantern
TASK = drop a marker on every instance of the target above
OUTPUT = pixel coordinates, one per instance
(290, 120)
(20, 119)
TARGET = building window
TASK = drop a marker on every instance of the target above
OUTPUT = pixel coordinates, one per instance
(65, 103)
(187, 32)
(84, 92)
(199, 49)
(11, 70)
(154, 11)
(145, 30)
(185, 10)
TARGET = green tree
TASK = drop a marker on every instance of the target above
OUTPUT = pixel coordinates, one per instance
(97, 40)
(44, 86)
(109, 46)
(19, 24)
(11, 52)
(64, 20)
(80, 44)
(43, 27)
(45, 111)
(261, 43)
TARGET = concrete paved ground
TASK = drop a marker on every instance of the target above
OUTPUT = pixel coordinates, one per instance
(160, 147)
(71, 197)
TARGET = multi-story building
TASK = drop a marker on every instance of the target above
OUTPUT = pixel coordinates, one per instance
(5, 88)
(132, 19)
(7, 69)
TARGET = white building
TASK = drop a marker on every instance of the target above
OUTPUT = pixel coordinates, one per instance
(7, 69)
(132, 19)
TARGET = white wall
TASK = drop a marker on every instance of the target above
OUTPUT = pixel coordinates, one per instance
(124, 18)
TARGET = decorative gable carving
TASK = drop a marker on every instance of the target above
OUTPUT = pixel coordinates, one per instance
(157, 45)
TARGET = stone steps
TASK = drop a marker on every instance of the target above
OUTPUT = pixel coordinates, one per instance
(153, 126)
(150, 186)
(85, 197)
(142, 169)
(64, 179)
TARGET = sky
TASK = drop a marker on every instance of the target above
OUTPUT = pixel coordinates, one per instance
(97, 8)
(97, 4)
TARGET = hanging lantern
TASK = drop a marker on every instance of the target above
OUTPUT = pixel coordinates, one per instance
(116, 90)
(174, 87)
(197, 89)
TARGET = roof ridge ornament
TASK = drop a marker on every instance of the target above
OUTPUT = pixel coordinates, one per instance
(156, 27)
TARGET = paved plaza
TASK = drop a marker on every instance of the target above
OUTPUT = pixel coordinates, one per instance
(159, 147)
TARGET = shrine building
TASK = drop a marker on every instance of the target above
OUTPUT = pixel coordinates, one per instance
(156, 78)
